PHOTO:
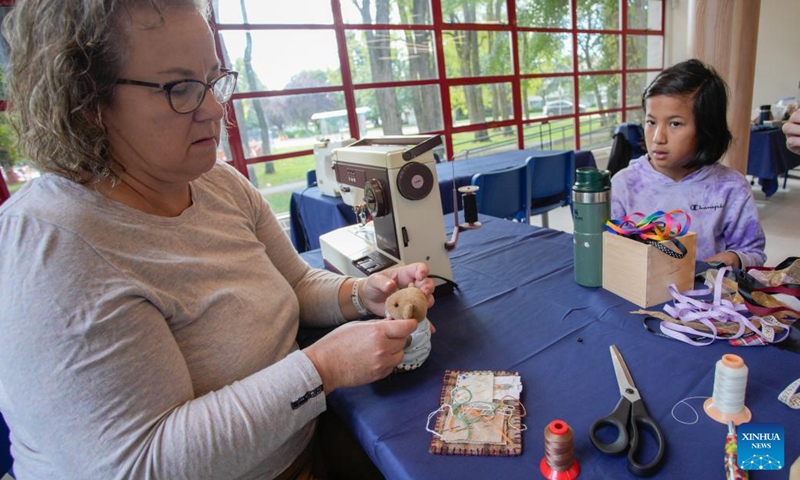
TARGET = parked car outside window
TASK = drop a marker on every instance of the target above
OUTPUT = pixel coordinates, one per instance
(561, 107)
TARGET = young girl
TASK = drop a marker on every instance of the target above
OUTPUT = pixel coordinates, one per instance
(686, 133)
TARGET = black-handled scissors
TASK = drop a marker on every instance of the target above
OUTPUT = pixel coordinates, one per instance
(629, 417)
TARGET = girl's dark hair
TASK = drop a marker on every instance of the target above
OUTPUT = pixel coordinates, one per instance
(700, 82)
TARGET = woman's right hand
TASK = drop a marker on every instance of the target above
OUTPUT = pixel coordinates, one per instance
(357, 353)
(792, 130)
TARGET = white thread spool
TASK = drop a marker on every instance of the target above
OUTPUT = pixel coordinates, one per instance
(730, 383)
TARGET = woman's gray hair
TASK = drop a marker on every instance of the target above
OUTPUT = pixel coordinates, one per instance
(65, 57)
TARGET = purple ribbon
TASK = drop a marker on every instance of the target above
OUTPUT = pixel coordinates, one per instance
(688, 309)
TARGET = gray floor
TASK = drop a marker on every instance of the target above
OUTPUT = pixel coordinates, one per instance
(779, 215)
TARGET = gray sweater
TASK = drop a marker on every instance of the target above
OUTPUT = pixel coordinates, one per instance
(138, 346)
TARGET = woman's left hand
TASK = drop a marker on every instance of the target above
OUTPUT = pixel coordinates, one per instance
(382, 284)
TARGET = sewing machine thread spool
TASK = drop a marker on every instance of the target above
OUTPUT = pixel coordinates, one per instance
(470, 202)
(730, 383)
(559, 456)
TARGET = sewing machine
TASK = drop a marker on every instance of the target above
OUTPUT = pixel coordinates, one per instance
(391, 180)
(326, 180)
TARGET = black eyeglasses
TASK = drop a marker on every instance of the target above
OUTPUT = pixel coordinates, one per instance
(186, 96)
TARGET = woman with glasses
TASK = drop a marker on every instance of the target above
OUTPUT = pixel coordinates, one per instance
(150, 300)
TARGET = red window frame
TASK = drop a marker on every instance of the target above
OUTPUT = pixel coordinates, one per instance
(437, 27)
(4, 193)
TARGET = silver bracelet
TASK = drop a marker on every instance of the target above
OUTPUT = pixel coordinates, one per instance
(360, 308)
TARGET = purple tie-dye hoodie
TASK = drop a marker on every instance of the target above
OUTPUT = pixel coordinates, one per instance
(717, 198)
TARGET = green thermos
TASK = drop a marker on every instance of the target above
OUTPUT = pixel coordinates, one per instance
(591, 209)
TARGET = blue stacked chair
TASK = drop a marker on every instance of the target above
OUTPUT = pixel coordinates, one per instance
(550, 179)
(503, 193)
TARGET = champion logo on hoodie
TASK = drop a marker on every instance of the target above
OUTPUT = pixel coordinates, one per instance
(706, 207)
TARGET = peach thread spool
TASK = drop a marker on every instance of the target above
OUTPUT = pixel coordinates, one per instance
(559, 457)
(730, 383)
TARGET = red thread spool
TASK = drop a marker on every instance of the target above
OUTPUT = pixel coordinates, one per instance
(559, 456)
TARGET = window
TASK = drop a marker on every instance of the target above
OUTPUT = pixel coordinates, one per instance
(487, 75)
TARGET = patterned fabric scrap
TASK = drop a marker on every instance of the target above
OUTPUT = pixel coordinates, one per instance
(480, 414)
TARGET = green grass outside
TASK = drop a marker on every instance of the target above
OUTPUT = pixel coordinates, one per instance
(279, 201)
(565, 129)
(294, 170)
(290, 170)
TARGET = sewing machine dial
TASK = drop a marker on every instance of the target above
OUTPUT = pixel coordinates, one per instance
(415, 181)
(375, 198)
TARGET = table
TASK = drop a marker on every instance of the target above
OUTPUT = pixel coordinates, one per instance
(518, 309)
(768, 158)
(5, 449)
(313, 214)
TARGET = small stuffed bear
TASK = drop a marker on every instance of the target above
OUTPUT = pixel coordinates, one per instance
(411, 302)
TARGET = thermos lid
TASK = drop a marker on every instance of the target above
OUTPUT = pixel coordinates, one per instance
(590, 179)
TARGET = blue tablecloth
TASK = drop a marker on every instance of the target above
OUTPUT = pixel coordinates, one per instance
(517, 308)
(5, 448)
(768, 158)
(313, 214)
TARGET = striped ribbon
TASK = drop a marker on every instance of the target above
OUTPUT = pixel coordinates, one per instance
(688, 309)
(790, 395)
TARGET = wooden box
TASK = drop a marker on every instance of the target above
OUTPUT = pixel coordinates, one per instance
(641, 273)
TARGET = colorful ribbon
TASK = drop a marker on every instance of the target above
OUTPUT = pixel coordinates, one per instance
(732, 470)
(657, 226)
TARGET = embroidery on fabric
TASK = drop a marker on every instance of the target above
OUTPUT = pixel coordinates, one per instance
(480, 414)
